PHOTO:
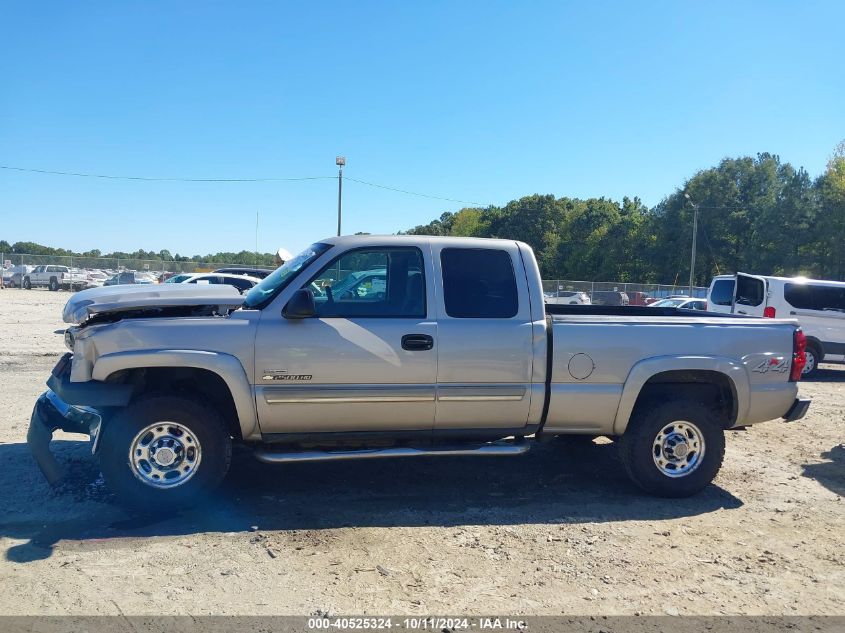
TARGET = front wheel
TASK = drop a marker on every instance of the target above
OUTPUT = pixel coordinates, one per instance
(27, 284)
(164, 450)
(674, 449)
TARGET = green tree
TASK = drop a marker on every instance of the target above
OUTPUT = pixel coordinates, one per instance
(830, 225)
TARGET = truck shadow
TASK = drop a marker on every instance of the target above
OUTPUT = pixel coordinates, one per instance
(828, 373)
(553, 484)
(830, 474)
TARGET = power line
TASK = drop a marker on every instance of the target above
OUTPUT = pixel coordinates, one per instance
(710, 248)
(415, 193)
(50, 172)
(148, 179)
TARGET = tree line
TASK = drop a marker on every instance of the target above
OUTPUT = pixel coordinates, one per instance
(249, 258)
(756, 214)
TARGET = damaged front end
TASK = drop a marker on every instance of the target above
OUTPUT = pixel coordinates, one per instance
(77, 403)
(50, 414)
(69, 407)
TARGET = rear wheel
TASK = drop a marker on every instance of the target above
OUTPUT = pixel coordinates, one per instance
(27, 284)
(54, 284)
(164, 450)
(814, 356)
(674, 449)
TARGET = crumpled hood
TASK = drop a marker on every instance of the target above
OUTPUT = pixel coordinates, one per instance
(87, 303)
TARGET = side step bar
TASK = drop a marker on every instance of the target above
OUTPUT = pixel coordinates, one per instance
(492, 449)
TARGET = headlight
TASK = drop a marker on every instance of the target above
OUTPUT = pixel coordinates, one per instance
(70, 338)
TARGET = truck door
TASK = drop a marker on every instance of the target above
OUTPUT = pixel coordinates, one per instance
(484, 353)
(750, 295)
(367, 362)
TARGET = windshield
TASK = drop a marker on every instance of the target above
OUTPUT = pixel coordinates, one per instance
(276, 281)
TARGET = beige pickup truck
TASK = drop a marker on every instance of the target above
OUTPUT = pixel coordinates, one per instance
(389, 347)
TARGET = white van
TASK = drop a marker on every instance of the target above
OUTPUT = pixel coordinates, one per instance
(818, 305)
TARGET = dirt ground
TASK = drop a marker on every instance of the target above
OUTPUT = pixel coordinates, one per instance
(559, 530)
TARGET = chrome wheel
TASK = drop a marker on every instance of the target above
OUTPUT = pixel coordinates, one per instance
(678, 449)
(165, 455)
(810, 363)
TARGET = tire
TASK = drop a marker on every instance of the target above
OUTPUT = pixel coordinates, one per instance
(12, 283)
(814, 357)
(655, 429)
(54, 284)
(199, 459)
(27, 284)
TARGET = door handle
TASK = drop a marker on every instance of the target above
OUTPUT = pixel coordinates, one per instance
(741, 312)
(793, 312)
(417, 342)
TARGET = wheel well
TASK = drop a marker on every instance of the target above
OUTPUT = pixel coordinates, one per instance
(185, 381)
(713, 388)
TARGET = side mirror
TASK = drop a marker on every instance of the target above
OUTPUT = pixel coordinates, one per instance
(301, 305)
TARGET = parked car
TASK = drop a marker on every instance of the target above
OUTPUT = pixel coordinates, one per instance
(96, 278)
(638, 299)
(818, 305)
(569, 297)
(610, 298)
(129, 277)
(54, 278)
(13, 277)
(178, 278)
(458, 356)
(259, 273)
(683, 303)
(364, 283)
(241, 282)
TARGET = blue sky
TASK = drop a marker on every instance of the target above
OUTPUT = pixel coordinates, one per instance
(479, 101)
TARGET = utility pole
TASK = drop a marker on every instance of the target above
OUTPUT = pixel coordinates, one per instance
(694, 236)
(340, 161)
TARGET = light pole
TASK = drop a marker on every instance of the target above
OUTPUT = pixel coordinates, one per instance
(694, 236)
(340, 161)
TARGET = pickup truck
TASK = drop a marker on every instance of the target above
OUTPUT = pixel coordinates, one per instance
(455, 353)
(54, 278)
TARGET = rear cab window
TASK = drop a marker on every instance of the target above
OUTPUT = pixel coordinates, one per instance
(479, 283)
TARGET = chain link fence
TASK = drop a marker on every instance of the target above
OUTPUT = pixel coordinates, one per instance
(611, 292)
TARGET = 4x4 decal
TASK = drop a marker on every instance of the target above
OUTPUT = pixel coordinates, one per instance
(780, 365)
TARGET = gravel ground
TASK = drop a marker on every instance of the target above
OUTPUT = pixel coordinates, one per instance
(559, 530)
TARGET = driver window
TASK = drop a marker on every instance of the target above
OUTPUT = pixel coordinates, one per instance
(378, 282)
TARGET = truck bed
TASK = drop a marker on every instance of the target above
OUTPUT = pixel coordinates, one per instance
(645, 311)
(596, 356)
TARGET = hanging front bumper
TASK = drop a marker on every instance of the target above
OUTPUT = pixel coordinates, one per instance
(49, 414)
